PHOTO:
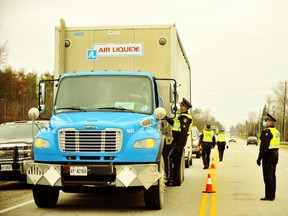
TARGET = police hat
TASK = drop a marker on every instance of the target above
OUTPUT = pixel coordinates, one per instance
(186, 103)
(270, 118)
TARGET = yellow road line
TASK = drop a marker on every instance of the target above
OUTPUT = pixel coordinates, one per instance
(205, 204)
(213, 206)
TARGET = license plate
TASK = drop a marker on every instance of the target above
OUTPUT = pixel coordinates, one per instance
(78, 171)
(6, 167)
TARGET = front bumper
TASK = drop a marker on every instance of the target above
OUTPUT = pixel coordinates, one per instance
(128, 175)
(12, 171)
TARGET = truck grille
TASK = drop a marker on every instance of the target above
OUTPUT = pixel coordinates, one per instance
(90, 140)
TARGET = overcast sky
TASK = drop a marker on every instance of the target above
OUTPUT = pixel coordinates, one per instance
(238, 49)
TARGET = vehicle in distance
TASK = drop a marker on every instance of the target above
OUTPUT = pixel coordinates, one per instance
(252, 140)
(15, 148)
(232, 139)
(195, 140)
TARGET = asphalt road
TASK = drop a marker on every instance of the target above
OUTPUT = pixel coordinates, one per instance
(237, 182)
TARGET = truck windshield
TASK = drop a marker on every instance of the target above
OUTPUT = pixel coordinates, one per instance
(104, 93)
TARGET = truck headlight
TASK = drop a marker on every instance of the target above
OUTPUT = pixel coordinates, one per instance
(147, 143)
(41, 143)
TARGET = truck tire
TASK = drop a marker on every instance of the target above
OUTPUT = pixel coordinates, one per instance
(154, 196)
(45, 196)
(180, 178)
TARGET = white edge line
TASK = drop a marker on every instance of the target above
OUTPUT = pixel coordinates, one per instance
(16, 206)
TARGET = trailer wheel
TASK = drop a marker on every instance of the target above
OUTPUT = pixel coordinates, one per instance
(45, 196)
(154, 196)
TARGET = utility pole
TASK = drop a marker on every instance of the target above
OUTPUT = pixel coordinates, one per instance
(284, 110)
(259, 124)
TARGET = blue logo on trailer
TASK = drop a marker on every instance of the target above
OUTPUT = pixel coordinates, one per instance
(92, 54)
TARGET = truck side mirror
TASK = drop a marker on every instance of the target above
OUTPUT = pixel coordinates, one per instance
(160, 113)
(42, 97)
(171, 95)
(42, 92)
(33, 113)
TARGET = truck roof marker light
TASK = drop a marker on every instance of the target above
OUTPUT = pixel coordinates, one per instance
(162, 41)
(67, 43)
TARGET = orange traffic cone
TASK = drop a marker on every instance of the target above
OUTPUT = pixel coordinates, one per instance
(209, 185)
(212, 164)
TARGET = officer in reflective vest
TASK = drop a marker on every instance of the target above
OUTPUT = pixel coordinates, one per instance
(181, 127)
(269, 146)
(221, 143)
(207, 142)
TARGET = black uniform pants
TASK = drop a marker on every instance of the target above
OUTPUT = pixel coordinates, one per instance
(221, 148)
(206, 150)
(174, 158)
(269, 163)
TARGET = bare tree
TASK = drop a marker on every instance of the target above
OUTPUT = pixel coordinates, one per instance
(280, 104)
(252, 123)
(3, 55)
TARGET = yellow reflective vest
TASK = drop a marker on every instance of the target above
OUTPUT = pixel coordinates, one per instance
(208, 136)
(177, 127)
(221, 137)
(275, 141)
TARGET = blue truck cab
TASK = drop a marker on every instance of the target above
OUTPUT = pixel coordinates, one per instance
(106, 130)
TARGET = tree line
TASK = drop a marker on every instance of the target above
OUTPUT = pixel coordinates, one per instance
(18, 93)
(276, 105)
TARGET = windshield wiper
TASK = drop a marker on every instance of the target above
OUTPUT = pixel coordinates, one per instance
(72, 108)
(117, 108)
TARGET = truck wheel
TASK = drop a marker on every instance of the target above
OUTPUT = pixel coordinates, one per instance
(180, 178)
(154, 196)
(45, 196)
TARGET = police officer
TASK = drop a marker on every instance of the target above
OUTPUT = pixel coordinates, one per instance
(207, 142)
(221, 143)
(269, 146)
(181, 127)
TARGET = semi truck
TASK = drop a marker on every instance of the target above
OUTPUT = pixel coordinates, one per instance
(115, 85)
